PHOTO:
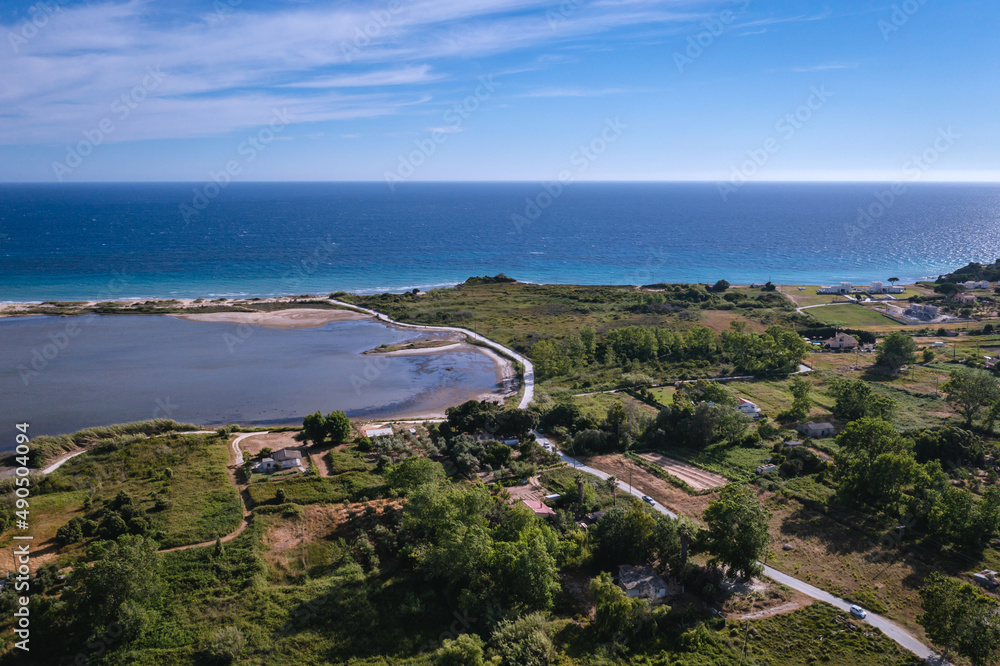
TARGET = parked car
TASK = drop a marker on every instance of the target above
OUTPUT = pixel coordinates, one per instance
(647, 498)
(858, 611)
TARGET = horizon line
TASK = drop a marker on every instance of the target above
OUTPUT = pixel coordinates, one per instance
(995, 181)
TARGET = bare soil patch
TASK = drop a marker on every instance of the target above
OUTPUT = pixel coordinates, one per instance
(273, 440)
(695, 477)
(659, 489)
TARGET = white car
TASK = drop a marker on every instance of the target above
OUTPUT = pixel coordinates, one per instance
(858, 611)
(647, 499)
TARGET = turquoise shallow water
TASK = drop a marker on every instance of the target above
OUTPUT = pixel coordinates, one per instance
(61, 374)
(107, 241)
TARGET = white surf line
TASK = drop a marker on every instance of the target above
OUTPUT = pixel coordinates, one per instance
(529, 368)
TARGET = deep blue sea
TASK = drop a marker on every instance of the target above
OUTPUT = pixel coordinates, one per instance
(110, 241)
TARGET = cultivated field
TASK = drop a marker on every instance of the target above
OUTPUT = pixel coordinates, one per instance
(697, 478)
(850, 316)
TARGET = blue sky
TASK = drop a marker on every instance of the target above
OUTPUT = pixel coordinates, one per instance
(499, 90)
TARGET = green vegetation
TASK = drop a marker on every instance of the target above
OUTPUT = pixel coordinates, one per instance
(737, 534)
(850, 315)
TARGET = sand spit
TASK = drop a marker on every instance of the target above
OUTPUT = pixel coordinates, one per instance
(289, 318)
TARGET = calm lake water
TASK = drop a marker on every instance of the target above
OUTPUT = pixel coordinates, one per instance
(61, 374)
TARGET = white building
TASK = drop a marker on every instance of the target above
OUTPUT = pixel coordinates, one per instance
(842, 288)
(880, 288)
(980, 284)
(748, 408)
(923, 311)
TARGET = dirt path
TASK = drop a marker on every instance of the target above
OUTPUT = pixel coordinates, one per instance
(775, 610)
(695, 477)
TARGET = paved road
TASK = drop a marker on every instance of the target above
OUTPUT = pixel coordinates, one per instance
(529, 369)
(887, 627)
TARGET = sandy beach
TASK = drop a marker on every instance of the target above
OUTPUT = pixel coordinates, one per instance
(290, 318)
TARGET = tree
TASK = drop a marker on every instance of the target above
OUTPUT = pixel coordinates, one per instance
(313, 428)
(958, 617)
(969, 390)
(338, 427)
(855, 400)
(737, 534)
(720, 286)
(893, 280)
(928, 355)
(801, 402)
(898, 349)
(124, 586)
(465, 650)
(413, 472)
(874, 464)
(618, 617)
(516, 422)
(624, 536)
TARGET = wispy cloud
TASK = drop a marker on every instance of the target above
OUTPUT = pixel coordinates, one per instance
(827, 66)
(227, 71)
(577, 92)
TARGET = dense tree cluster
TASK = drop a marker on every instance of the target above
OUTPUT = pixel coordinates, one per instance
(334, 428)
(775, 351)
(491, 558)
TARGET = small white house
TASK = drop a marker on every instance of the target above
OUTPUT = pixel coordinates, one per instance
(881, 288)
(641, 582)
(287, 458)
(816, 430)
(749, 408)
(265, 465)
(976, 284)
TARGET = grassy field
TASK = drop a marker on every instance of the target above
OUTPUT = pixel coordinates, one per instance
(202, 502)
(808, 295)
(849, 316)
(818, 633)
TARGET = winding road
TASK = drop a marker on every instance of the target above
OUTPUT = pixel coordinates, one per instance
(887, 627)
(529, 369)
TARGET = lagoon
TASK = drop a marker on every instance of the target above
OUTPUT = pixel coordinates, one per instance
(61, 374)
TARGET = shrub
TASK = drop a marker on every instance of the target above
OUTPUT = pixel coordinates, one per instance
(523, 642)
(226, 645)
